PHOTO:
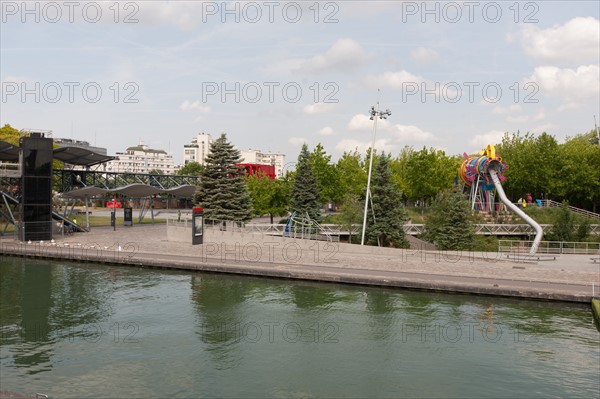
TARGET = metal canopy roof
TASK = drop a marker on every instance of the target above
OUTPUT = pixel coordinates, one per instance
(72, 155)
(187, 190)
(85, 192)
(9, 152)
(80, 156)
(136, 190)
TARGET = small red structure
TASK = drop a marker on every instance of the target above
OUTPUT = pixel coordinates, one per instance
(114, 204)
(255, 169)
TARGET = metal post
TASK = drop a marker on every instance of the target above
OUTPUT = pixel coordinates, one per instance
(375, 113)
(87, 213)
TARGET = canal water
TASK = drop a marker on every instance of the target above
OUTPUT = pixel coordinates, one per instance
(97, 331)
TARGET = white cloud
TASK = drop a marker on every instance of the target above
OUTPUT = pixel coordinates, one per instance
(363, 123)
(491, 137)
(395, 80)
(506, 110)
(575, 42)
(185, 15)
(344, 55)
(423, 56)
(584, 82)
(188, 106)
(411, 133)
(318, 108)
(296, 141)
(568, 105)
(326, 131)
(352, 144)
(546, 127)
(518, 119)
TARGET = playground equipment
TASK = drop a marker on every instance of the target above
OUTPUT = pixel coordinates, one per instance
(482, 173)
(303, 226)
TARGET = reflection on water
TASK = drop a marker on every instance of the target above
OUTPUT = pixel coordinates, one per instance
(87, 330)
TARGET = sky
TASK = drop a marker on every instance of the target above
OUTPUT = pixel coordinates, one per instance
(274, 75)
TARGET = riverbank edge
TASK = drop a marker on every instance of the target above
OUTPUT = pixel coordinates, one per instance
(596, 310)
(340, 276)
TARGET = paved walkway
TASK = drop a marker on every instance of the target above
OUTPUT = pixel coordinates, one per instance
(567, 278)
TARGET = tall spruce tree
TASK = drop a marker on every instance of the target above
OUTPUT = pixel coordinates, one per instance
(305, 192)
(390, 216)
(222, 191)
(449, 225)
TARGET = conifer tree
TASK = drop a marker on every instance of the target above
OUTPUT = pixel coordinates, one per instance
(390, 216)
(222, 191)
(449, 224)
(305, 192)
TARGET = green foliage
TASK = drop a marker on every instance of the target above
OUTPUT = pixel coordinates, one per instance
(9, 134)
(448, 225)
(304, 196)
(578, 180)
(568, 227)
(156, 172)
(386, 229)
(563, 227)
(327, 175)
(352, 174)
(222, 191)
(422, 174)
(190, 169)
(268, 196)
(533, 164)
(352, 212)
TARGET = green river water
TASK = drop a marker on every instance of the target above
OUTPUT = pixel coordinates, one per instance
(83, 330)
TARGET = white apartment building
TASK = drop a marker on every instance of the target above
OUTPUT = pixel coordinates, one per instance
(141, 159)
(198, 149)
(265, 158)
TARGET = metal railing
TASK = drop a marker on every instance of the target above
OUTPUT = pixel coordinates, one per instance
(550, 247)
(416, 229)
(554, 204)
(10, 169)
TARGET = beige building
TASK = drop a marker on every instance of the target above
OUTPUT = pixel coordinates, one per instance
(142, 159)
(198, 149)
(265, 158)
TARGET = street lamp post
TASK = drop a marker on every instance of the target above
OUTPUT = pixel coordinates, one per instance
(375, 113)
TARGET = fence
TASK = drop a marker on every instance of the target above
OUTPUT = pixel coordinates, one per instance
(550, 247)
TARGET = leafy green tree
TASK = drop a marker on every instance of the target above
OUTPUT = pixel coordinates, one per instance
(326, 173)
(156, 172)
(563, 226)
(386, 227)
(190, 169)
(448, 224)
(9, 134)
(533, 162)
(352, 174)
(222, 191)
(578, 180)
(351, 212)
(268, 196)
(304, 196)
(424, 173)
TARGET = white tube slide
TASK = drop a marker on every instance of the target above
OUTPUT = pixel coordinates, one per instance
(539, 232)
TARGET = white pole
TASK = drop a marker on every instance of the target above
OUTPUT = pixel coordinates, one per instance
(364, 227)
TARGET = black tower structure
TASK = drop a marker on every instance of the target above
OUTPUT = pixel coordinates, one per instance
(36, 185)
